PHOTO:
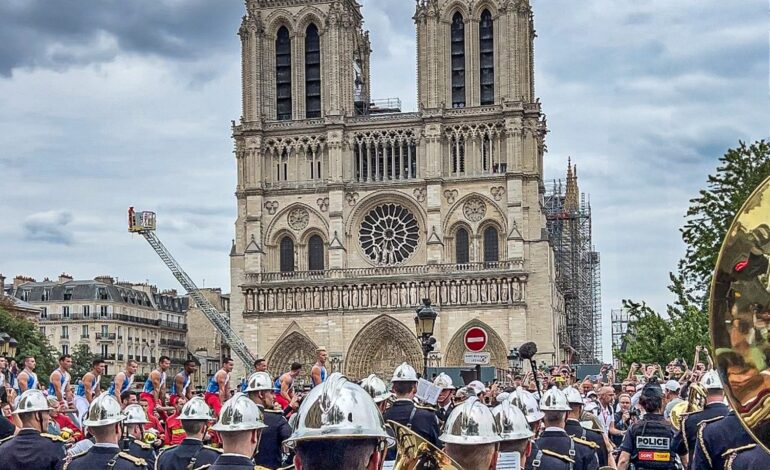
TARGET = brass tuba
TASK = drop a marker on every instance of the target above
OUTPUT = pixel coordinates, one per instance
(739, 310)
(696, 401)
(415, 453)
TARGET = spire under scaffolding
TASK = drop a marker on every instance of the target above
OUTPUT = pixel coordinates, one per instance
(577, 266)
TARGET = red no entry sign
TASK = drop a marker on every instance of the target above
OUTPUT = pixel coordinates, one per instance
(475, 339)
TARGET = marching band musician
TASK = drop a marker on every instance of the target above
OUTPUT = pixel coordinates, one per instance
(715, 439)
(32, 447)
(260, 390)
(191, 452)
(444, 402)
(684, 441)
(133, 434)
(748, 457)
(575, 429)
(472, 436)
(377, 389)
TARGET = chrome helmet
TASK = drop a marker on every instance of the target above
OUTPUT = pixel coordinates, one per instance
(554, 400)
(104, 410)
(30, 401)
(240, 414)
(502, 396)
(711, 381)
(444, 382)
(404, 373)
(338, 409)
(376, 388)
(259, 382)
(478, 386)
(512, 422)
(573, 396)
(471, 423)
(196, 410)
(135, 415)
(527, 403)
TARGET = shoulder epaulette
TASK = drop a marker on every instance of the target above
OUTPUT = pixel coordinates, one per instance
(273, 411)
(590, 444)
(424, 407)
(79, 455)
(135, 460)
(52, 437)
(558, 456)
(219, 451)
(203, 467)
(260, 467)
(710, 420)
(738, 449)
(142, 444)
(3, 441)
(290, 467)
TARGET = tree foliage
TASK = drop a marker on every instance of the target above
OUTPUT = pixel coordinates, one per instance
(31, 343)
(81, 361)
(651, 338)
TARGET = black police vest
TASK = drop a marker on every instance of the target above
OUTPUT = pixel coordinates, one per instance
(652, 441)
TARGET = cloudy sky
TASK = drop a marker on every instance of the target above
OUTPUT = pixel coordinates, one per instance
(109, 104)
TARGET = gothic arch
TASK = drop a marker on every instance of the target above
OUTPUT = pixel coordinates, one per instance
(495, 345)
(293, 346)
(450, 240)
(380, 347)
(455, 7)
(310, 14)
(277, 19)
(494, 212)
(484, 5)
(274, 229)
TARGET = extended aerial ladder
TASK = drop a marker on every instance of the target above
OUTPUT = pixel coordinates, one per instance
(144, 224)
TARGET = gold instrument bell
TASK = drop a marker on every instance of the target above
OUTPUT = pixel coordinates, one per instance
(415, 453)
(740, 314)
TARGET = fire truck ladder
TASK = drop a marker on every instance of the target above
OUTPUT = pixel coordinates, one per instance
(237, 345)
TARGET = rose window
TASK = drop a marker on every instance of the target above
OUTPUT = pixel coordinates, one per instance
(389, 235)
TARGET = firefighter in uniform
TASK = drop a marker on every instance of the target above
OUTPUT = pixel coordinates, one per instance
(133, 435)
(32, 447)
(262, 392)
(339, 427)
(377, 389)
(556, 440)
(684, 442)
(445, 405)
(517, 445)
(406, 412)
(103, 421)
(240, 424)
(748, 457)
(715, 438)
(472, 436)
(575, 429)
(647, 444)
(191, 453)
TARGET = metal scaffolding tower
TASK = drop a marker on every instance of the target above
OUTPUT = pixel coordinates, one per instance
(619, 327)
(578, 274)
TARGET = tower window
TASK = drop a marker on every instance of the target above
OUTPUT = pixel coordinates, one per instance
(491, 245)
(283, 74)
(315, 253)
(487, 58)
(287, 255)
(312, 72)
(458, 155)
(461, 246)
(458, 61)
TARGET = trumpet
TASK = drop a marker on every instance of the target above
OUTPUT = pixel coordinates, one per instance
(415, 453)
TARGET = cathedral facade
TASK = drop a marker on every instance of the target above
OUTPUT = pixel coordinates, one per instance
(349, 216)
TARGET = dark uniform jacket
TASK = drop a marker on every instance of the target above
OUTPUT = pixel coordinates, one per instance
(443, 414)
(6, 428)
(684, 441)
(574, 429)
(560, 443)
(421, 420)
(180, 456)
(547, 460)
(715, 437)
(269, 454)
(98, 457)
(232, 462)
(32, 450)
(654, 426)
(144, 451)
(749, 457)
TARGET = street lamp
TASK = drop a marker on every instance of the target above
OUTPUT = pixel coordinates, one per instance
(425, 322)
(8, 345)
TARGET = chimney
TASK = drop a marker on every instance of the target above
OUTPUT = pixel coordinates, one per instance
(105, 279)
(19, 280)
(64, 277)
(2, 285)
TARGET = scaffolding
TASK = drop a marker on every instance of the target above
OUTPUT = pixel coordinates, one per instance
(578, 274)
(619, 327)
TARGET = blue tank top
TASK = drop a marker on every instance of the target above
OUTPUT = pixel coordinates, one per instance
(323, 376)
(63, 381)
(213, 386)
(186, 383)
(81, 388)
(126, 385)
(149, 387)
(31, 382)
(277, 385)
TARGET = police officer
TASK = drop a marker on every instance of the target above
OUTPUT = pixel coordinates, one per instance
(556, 440)
(32, 447)
(103, 422)
(472, 436)
(648, 443)
(133, 435)
(339, 427)
(377, 389)
(517, 446)
(575, 429)
(262, 393)
(684, 441)
(406, 412)
(748, 457)
(715, 438)
(240, 424)
(191, 453)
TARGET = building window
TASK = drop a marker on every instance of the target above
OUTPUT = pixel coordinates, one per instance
(25, 295)
(458, 61)
(287, 255)
(282, 167)
(458, 155)
(104, 350)
(68, 294)
(46, 295)
(65, 332)
(491, 245)
(315, 253)
(65, 310)
(283, 74)
(487, 58)
(43, 312)
(391, 157)
(84, 332)
(65, 349)
(102, 293)
(87, 311)
(102, 310)
(42, 331)
(312, 72)
(105, 330)
(461, 246)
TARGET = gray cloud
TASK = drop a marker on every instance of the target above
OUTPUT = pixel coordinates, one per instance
(49, 227)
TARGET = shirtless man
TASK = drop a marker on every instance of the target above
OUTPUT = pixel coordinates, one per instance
(122, 381)
(181, 385)
(155, 386)
(89, 387)
(60, 378)
(284, 385)
(318, 373)
(218, 390)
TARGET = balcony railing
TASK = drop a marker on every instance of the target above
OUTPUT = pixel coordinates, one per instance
(105, 336)
(109, 357)
(174, 343)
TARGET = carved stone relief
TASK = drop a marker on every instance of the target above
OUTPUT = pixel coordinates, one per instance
(420, 194)
(352, 199)
(497, 192)
(272, 207)
(323, 204)
(451, 195)
(380, 347)
(474, 209)
(298, 218)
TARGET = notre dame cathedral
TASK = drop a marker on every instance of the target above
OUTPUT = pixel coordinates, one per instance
(350, 213)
